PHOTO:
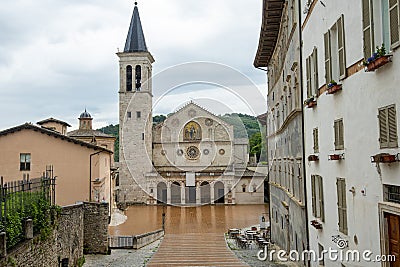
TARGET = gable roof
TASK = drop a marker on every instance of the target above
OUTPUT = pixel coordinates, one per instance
(29, 126)
(53, 120)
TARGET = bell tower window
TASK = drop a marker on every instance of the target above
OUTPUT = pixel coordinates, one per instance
(129, 78)
(138, 77)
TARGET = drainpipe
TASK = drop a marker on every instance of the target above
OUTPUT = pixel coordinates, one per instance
(303, 126)
(90, 174)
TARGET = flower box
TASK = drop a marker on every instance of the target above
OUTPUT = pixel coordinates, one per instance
(333, 89)
(310, 102)
(316, 224)
(313, 158)
(336, 157)
(384, 158)
(379, 62)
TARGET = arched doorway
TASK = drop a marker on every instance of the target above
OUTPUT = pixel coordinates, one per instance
(161, 193)
(175, 193)
(205, 193)
(219, 193)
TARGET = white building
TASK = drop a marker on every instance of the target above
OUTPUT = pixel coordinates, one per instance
(350, 198)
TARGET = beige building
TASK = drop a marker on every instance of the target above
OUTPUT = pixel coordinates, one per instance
(192, 158)
(82, 169)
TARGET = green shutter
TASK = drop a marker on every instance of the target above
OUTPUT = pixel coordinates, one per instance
(308, 73)
(321, 198)
(341, 48)
(315, 71)
(314, 202)
(383, 128)
(328, 62)
(368, 32)
(394, 22)
(392, 126)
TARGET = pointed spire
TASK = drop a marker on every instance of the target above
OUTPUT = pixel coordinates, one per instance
(135, 41)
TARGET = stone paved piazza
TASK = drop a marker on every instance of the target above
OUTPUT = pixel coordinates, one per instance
(194, 235)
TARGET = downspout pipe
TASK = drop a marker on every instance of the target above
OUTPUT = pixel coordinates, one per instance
(303, 127)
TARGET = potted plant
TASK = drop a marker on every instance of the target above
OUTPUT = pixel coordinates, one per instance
(310, 102)
(313, 158)
(378, 59)
(384, 158)
(316, 224)
(335, 157)
(333, 87)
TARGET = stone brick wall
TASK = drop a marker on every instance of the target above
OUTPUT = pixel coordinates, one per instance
(95, 228)
(79, 227)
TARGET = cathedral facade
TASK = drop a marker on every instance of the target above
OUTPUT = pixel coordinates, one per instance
(192, 158)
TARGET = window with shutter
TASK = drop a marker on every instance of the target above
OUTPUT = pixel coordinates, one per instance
(308, 73)
(314, 202)
(321, 198)
(394, 23)
(388, 127)
(315, 83)
(341, 47)
(342, 206)
(328, 63)
(368, 32)
(315, 137)
(339, 134)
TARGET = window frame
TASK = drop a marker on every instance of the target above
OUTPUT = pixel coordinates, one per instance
(25, 165)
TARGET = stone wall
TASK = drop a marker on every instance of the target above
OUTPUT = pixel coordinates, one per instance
(79, 226)
(95, 228)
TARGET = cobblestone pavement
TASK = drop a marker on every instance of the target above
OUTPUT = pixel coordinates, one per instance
(123, 257)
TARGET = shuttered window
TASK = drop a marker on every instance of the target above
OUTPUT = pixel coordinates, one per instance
(339, 134)
(328, 61)
(315, 84)
(315, 139)
(308, 74)
(341, 47)
(394, 22)
(368, 32)
(342, 206)
(388, 127)
(317, 193)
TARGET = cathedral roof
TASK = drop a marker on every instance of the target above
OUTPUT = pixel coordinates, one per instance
(135, 41)
(85, 115)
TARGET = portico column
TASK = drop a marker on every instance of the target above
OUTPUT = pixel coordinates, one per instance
(198, 197)
(168, 193)
(183, 197)
(212, 193)
(226, 190)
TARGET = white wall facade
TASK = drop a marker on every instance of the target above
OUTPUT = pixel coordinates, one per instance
(362, 95)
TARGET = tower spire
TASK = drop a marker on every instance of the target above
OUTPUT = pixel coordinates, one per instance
(135, 41)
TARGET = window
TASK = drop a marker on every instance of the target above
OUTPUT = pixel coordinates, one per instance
(312, 73)
(394, 23)
(392, 193)
(129, 78)
(315, 139)
(317, 197)
(142, 136)
(368, 31)
(138, 77)
(341, 203)
(25, 162)
(138, 114)
(243, 188)
(129, 114)
(388, 127)
(339, 134)
(335, 53)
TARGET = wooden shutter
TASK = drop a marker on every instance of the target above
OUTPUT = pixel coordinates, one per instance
(392, 126)
(383, 128)
(328, 61)
(368, 31)
(315, 71)
(394, 22)
(314, 202)
(308, 73)
(341, 47)
(315, 137)
(321, 198)
(339, 203)
(339, 134)
(342, 206)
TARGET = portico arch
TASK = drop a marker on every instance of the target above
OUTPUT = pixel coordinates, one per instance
(161, 192)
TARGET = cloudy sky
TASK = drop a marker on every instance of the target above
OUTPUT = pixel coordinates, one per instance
(58, 57)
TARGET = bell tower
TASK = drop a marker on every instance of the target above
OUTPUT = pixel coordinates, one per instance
(135, 114)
